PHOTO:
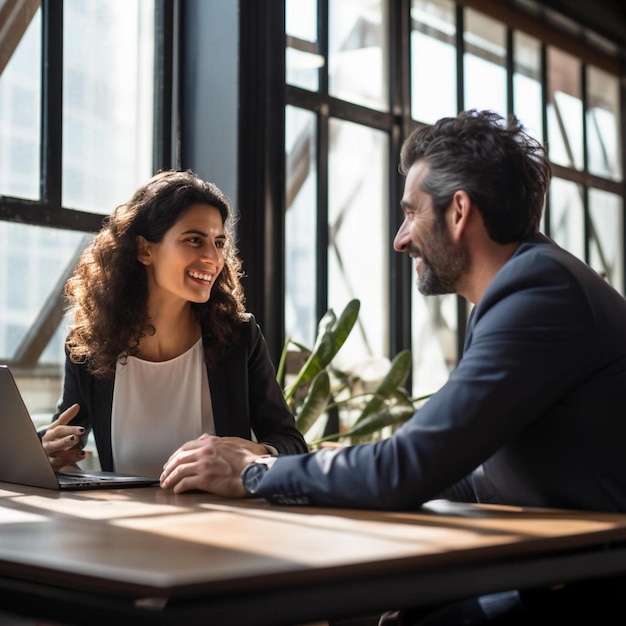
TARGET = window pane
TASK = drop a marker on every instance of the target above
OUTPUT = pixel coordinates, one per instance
(40, 394)
(359, 242)
(359, 52)
(567, 224)
(527, 103)
(565, 109)
(33, 260)
(300, 225)
(433, 327)
(433, 85)
(485, 63)
(303, 60)
(54, 353)
(606, 211)
(20, 107)
(108, 95)
(603, 128)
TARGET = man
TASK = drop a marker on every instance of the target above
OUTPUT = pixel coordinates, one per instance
(533, 414)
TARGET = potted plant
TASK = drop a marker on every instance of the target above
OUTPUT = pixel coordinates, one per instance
(320, 391)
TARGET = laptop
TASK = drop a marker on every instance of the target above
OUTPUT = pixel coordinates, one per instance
(24, 461)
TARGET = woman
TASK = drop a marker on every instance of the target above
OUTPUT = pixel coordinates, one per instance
(161, 353)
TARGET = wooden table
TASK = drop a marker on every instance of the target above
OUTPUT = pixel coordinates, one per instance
(152, 557)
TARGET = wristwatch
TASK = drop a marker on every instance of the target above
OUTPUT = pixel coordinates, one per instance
(252, 474)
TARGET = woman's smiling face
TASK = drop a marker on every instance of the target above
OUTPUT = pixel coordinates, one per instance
(190, 257)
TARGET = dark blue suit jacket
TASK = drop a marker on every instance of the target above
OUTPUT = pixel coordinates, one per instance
(533, 415)
(244, 394)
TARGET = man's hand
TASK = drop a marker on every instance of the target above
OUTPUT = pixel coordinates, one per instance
(212, 464)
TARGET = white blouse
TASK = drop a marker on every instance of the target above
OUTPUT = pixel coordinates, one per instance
(157, 407)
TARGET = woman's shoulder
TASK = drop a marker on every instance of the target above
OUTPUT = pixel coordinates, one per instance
(250, 328)
(244, 331)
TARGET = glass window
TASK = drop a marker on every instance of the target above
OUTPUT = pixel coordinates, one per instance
(433, 328)
(603, 129)
(565, 109)
(484, 63)
(54, 352)
(359, 52)
(300, 225)
(108, 70)
(527, 97)
(359, 242)
(548, 94)
(606, 217)
(20, 108)
(302, 58)
(433, 84)
(33, 261)
(567, 223)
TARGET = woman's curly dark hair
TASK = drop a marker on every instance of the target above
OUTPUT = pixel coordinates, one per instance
(109, 290)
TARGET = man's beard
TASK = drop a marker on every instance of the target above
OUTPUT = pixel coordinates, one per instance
(443, 263)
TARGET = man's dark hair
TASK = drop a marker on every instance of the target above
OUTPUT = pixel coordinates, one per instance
(503, 169)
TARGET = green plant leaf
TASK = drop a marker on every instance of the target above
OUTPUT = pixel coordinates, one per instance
(395, 377)
(320, 387)
(280, 370)
(346, 322)
(332, 334)
(301, 347)
(401, 397)
(389, 416)
(314, 403)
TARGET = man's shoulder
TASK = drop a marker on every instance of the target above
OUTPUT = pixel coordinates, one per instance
(536, 255)
(540, 246)
(540, 267)
(537, 268)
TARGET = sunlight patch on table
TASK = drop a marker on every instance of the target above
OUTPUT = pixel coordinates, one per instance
(99, 509)
(11, 516)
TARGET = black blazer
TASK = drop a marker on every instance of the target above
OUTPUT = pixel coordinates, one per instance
(533, 415)
(244, 394)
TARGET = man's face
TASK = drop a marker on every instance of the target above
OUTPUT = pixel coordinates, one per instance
(439, 260)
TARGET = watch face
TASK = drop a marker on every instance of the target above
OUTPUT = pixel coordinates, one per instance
(252, 476)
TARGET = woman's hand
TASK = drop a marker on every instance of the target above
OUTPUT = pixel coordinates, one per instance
(212, 464)
(62, 442)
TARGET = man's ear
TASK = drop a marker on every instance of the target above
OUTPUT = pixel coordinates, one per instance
(143, 250)
(462, 208)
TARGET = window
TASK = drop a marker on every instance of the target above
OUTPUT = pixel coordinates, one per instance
(347, 112)
(67, 163)
(341, 239)
(359, 75)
